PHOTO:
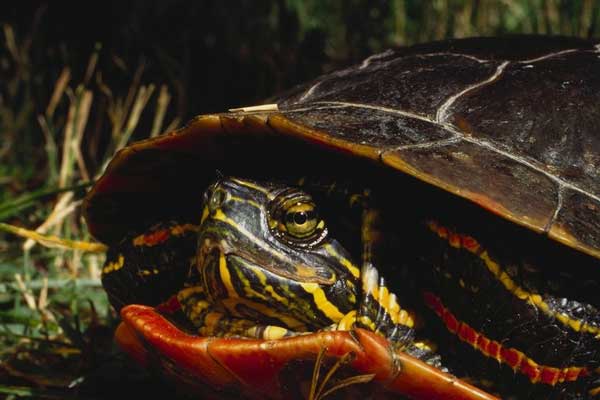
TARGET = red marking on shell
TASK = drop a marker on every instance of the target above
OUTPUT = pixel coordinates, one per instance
(170, 306)
(253, 366)
(512, 357)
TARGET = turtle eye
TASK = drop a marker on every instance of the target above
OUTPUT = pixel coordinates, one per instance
(294, 220)
(301, 220)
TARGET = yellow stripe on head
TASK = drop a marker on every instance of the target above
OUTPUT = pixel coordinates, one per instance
(354, 270)
(322, 302)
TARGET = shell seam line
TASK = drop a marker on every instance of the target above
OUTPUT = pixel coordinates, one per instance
(523, 161)
(309, 91)
(426, 145)
(559, 203)
(451, 128)
(377, 108)
(367, 61)
(470, 57)
(442, 112)
(547, 56)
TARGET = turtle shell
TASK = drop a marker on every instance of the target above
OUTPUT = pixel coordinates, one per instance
(510, 124)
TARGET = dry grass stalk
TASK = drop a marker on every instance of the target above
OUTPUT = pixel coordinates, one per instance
(175, 123)
(92, 63)
(53, 241)
(41, 305)
(162, 103)
(11, 43)
(63, 208)
(86, 104)
(119, 109)
(59, 90)
(141, 100)
(73, 132)
(26, 292)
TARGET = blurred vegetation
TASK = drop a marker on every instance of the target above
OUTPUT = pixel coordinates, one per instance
(79, 80)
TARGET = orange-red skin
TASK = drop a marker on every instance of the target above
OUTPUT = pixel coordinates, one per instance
(517, 360)
(252, 366)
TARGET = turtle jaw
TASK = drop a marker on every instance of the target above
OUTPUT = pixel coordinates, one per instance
(239, 282)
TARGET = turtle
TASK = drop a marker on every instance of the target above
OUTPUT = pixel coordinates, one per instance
(427, 221)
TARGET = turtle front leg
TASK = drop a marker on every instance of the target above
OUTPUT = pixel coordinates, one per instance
(379, 310)
(212, 321)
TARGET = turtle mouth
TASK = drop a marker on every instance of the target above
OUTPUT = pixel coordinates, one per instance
(238, 282)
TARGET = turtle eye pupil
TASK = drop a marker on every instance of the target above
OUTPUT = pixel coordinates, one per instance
(300, 217)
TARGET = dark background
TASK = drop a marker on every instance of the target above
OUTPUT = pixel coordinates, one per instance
(219, 54)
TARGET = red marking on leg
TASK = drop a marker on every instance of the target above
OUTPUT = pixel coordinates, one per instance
(574, 373)
(531, 370)
(493, 350)
(451, 322)
(468, 334)
(442, 232)
(454, 240)
(469, 244)
(550, 375)
(152, 238)
(482, 344)
(432, 225)
(512, 357)
(434, 303)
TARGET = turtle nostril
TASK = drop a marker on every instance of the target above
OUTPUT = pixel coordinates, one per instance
(217, 198)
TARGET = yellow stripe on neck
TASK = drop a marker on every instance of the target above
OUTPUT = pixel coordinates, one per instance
(459, 241)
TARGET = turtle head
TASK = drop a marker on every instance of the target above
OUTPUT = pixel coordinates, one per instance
(265, 254)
